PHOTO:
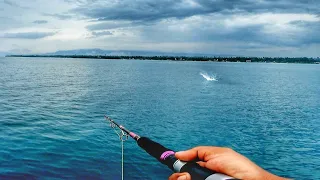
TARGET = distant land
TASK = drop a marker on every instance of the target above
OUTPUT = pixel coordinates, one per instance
(114, 53)
(102, 52)
(154, 55)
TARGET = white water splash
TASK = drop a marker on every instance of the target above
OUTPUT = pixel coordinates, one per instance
(208, 77)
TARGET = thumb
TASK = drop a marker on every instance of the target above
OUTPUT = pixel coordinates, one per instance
(197, 153)
(180, 176)
(188, 155)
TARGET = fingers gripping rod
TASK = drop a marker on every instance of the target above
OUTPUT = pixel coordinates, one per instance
(166, 156)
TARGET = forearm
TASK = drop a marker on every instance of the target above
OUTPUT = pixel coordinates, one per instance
(269, 176)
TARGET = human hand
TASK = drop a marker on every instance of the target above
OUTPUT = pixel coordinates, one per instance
(225, 161)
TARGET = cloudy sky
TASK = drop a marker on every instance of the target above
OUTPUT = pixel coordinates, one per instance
(235, 27)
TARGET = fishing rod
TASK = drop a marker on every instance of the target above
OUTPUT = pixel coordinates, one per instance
(166, 156)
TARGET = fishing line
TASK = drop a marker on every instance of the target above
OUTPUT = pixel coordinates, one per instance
(121, 135)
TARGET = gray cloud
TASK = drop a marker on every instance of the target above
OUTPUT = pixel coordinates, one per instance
(233, 24)
(27, 35)
(9, 23)
(207, 34)
(14, 4)
(312, 34)
(110, 25)
(282, 6)
(10, 3)
(101, 33)
(59, 16)
(202, 32)
(143, 14)
(20, 51)
(150, 10)
(139, 10)
(40, 22)
(74, 1)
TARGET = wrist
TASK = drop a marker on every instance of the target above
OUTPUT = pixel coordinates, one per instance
(269, 176)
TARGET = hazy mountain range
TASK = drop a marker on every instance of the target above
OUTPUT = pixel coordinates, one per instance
(125, 53)
(116, 53)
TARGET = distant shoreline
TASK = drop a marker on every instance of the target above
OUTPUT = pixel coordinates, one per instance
(303, 60)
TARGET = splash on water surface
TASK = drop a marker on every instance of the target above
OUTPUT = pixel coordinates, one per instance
(208, 77)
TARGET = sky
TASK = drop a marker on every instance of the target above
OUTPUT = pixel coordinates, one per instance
(287, 28)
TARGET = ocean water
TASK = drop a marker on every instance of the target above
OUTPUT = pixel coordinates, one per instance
(52, 115)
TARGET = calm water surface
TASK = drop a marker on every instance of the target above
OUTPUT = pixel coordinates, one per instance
(52, 125)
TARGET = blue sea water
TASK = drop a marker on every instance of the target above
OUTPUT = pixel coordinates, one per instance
(52, 124)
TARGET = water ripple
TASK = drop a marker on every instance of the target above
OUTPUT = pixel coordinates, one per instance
(52, 124)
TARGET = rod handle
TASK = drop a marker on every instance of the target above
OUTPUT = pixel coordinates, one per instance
(167, 157)
(197, 172)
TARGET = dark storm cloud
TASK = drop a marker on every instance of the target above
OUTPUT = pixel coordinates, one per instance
(138, 10)
(280, 6)
(150, 10)
(40, 22)
(28, 35)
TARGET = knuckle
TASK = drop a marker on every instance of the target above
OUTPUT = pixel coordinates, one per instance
(227, 149)
(174, 176)
(171, 177)
(200, 147)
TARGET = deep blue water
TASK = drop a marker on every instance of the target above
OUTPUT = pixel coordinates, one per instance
(52, 124)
